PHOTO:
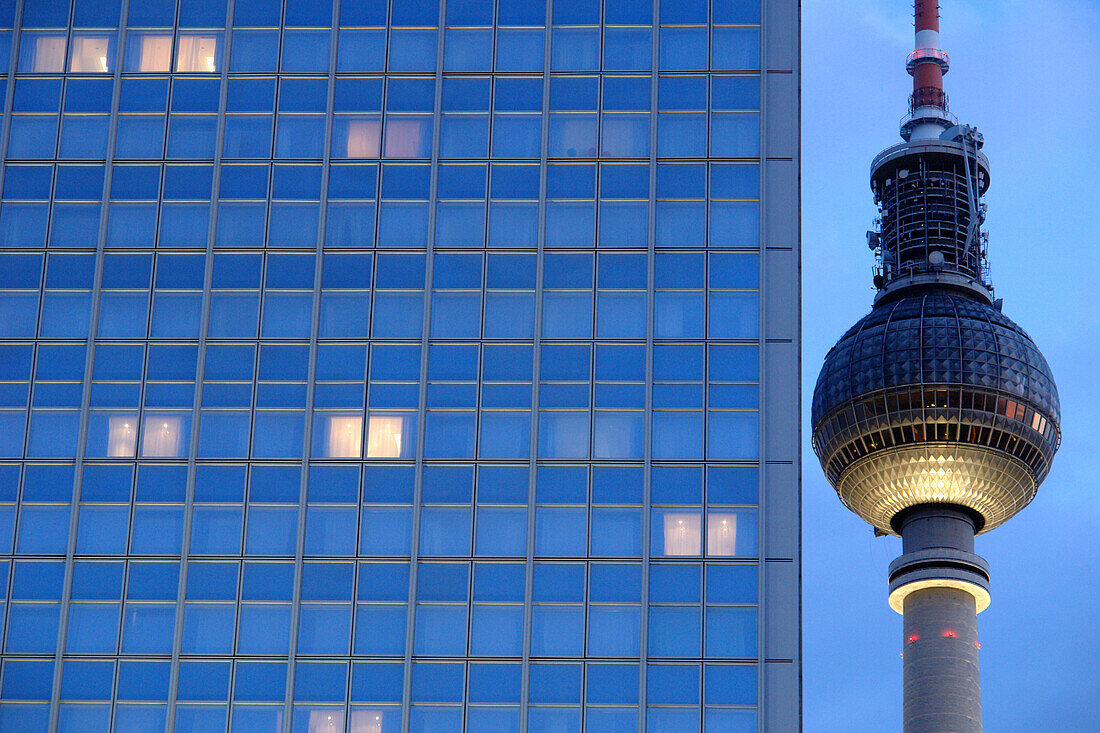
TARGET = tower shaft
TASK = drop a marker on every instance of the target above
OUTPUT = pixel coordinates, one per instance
(940, 673)
(939, 585)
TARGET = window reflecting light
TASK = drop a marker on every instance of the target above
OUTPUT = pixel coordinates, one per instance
(345, 436)
(682, 533)
(122, 436)
(722, 534)
(161, 436)
(90, 54)
(366, 721)
(384, 436)
(197, 53)
(363, 138)
(48, 55)
(404, 136)
(155, 54)
(326, 721)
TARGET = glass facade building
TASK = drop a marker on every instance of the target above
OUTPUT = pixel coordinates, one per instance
(409, 366)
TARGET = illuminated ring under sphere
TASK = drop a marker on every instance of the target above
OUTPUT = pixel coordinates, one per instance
(935, 398)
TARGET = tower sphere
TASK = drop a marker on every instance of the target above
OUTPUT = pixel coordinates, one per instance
(935, 398)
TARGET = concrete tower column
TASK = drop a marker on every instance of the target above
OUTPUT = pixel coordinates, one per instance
(939, 585)
(940, 672)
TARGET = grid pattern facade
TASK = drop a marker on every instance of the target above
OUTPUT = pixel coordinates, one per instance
(417, 366)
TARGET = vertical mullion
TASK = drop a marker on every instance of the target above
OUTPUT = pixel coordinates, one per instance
(208, 285)
(307, 431)
(5, 120)
(9, 91)
(707, 305)
(422, 389)
(311, 384)
(536, 346)
(85, 399)
(185, 548)
(651, 257)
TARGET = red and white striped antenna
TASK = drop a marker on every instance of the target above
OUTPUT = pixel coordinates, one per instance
(927, 64)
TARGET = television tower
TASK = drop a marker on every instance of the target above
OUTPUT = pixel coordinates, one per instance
(935, 417)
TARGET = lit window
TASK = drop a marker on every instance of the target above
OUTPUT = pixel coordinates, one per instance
(161, 436)
(404, 136)
(90, 54)
(363, 138)
(48, 55)
(326, 721)
(682, 533)
(384, 436)
(366, 721)
(722, 534)
(197, 53)
(155, 53)
(122, 436)
(345, 436)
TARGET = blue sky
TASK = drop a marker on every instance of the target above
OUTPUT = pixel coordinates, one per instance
(1024, 73)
